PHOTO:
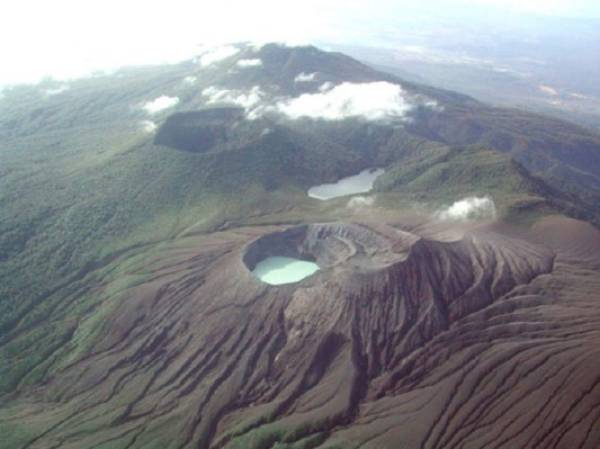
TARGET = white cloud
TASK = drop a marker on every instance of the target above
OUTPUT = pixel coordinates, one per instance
(161, 103)
(217, 54)
(372, 101)
(57, 90)
(190, 80)
(579, 96)
(251, 101)
(257, 45)
(305, 77)
(359, 202)
(432, 104)
(548, 90)
(249, 63)
(148, 126)
(469, 208)
(326, 86)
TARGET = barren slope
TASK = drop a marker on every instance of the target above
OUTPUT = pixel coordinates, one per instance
(489, 340)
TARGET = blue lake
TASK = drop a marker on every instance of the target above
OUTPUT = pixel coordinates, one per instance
(360, 183)
(283, 270)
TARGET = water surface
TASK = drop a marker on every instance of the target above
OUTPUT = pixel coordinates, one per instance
(360, 183)
(283, 270)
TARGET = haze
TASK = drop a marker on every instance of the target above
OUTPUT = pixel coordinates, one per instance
(66, 39)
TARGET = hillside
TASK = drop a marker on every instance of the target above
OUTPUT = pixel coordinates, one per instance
(128, 201)
(475, 171)
(370, 351)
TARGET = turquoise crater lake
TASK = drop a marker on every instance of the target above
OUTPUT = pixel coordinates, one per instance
(283, 270)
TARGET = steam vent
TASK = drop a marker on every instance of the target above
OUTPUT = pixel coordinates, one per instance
(396, 330)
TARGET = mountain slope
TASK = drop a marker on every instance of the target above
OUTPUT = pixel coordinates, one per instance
(422, 345)
(128, 317)
(475, 171)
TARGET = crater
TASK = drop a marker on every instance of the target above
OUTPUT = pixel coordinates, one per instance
(199, 131)
(297, 253)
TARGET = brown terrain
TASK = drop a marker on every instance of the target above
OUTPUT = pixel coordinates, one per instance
(411, 336)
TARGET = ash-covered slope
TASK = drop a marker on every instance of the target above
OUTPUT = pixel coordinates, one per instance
(399, 341)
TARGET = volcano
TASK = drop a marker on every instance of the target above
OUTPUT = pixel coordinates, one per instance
(405, 338)
(455, 304)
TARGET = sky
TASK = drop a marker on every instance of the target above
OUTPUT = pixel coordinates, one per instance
(68, 39)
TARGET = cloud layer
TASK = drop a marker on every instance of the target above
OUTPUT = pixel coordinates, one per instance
(148, 126)
(168, 34)
(305, 77)
(371, 101)
(548, 90)
(247, 100)
(57, 90)
(249, 63)
(470, 208)
(159, 104)
(360, 202)
(217, 54)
